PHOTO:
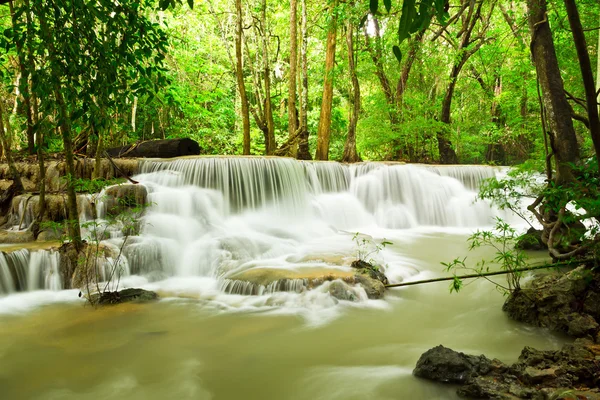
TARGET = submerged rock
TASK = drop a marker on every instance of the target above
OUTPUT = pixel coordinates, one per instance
(536, 375)
(341, 291)
(374, 288)
(565, 303)
(123, 296)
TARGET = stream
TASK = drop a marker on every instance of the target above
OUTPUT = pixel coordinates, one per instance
(214, 219)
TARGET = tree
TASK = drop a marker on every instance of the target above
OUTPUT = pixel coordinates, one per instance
(323, 132)
(350, 153)
(557, 110)
(239, 72)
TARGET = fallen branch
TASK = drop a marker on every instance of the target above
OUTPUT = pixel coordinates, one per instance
(484, 274)
(123, 174)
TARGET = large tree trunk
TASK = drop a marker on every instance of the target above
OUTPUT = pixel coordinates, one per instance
(350, 153)
(560, 125)
(239, 72)
(324, 129)
(167, 148)
(292, 112)
(587, 74)
(303, 150)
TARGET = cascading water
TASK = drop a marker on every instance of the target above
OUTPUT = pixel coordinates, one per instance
(227, 219)
(22, 270)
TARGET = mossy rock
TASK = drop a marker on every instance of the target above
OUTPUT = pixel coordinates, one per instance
(123, 296)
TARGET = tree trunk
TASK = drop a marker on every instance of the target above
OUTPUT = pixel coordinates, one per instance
(350, 153)
(598, 73)
(324, 128)
(18, 185)
(270, 144)
(586, 73)
(24, 84)
(65, 128)
(560, 125)
(466, 49)
(167, 148)
(292, 112)
(303, 149)
(239, 72)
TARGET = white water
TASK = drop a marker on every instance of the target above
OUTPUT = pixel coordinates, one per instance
(217, 338)
(214, 218)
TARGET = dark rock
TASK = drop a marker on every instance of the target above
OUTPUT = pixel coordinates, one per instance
(123, 296)
(582, 325)
(591, 303)
(165, 148)
(532, 240)
(446, 365)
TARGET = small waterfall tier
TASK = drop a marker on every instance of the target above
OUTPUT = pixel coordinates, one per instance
(24, 270)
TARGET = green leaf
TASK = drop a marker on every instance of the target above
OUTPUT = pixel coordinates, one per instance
(388, 5)
(191, 3)
(397, 53)
(373, 6)
(406, 19)
(363, 20)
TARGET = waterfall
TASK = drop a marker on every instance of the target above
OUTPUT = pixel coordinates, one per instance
(222, 217)
(215, 217)
(22, 270)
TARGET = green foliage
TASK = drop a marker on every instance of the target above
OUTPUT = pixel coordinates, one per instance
(366, 247)
(502, 238)
(92, 186)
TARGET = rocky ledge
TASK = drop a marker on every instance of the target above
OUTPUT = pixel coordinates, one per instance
(570, 373)
(256, 280)
(567, 303)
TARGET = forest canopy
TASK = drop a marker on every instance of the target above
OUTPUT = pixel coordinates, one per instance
(419, 81)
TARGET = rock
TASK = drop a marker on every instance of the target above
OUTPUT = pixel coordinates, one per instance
(532, 240)
(591, 303)
(16, 236)
(581, 325)
(555, 302)
(341, 291)
(120, 198)
(49, 235)
(123, 296)
(374, 288)
(536, 375)
(446, 365)
(375, 272)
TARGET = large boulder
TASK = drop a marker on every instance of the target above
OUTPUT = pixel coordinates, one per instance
(446, 365)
